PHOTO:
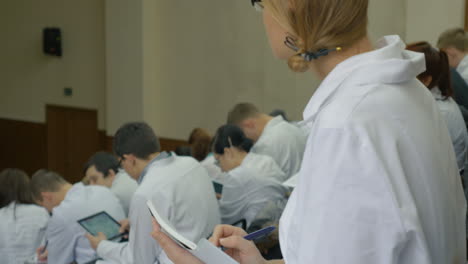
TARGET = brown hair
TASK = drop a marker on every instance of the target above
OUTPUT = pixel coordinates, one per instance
(455, 37)
(14, 187)
(45, 181)
(320, 24)
(240, 112)
(200, 141)
(437, 67)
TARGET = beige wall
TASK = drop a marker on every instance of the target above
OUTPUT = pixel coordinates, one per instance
(428, 18)
(175, 64)
(213, 54)
(29, 79)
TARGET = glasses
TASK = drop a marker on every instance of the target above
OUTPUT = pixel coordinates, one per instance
(257, 4)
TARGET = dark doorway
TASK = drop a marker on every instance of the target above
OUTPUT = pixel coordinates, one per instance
(72, 137)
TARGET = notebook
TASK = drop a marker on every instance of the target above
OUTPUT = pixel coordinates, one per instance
(203, 250)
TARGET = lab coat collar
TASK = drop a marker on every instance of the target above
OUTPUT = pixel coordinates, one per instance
(389, 63)
(160, 157)
(463, 64)
(437, 94)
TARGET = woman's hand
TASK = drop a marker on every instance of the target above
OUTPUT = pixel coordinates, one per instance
(232, 239)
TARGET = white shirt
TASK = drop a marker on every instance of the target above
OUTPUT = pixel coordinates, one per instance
(265, 165)
(22, 229)
(214, 171)
(462, 68)
(246, 192)
(182, 192)
(455, 123)
(123, 187)
(283, 142)
(67, 241)
(379, 182)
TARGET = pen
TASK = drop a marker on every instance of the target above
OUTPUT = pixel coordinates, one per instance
(260, 233)
(45, 247)
(257, 234)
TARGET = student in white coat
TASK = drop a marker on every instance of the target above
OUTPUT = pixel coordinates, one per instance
(69, 203)
(22, 224)
(246, 189)
(454, 43)
(273, 136)
(379, 182)
(179, 187)
(103, 169)
(437, 79)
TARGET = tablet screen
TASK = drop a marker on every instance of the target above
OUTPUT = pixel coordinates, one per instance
(101, 222)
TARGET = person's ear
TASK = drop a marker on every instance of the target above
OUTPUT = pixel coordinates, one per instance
(111, 173)
(248, 123)
(47, 196)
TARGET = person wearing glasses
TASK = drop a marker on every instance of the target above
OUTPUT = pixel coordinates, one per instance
(247, 189)
(379, 181)
(179, 187)
(104, 169)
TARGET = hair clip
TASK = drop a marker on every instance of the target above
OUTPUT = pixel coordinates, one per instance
(308, 56)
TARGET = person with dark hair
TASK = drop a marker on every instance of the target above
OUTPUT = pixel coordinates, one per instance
(248, 185)
(103, 169)
(272, 136)
(23, 224)
(437, 79)
(69, 203)
(179, 187)
(183, 151)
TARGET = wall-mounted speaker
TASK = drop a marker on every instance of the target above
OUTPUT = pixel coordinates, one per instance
(52, 38)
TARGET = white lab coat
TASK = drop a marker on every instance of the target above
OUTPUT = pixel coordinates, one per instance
(182, 192)
(214, 171)
(462, 68)
(266, 166)
(22, 229)
(379, 181)
(246, 191)
(124, 187)
(455, 123)
(67, 241)
(283, 142)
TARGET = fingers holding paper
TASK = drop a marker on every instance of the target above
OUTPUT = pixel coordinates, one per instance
(177, 254)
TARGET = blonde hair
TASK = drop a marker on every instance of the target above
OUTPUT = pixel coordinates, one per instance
(320, 24)
(455, 37)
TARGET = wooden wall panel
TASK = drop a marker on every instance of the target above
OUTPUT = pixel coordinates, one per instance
(466, 15)
(23, 145)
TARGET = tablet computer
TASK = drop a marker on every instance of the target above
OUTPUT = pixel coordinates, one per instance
(101, 222)
(218, 187)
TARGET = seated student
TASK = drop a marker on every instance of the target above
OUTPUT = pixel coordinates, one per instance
(274, 137)
(69, 203)
(246, 189)
(453, 42)
(103, 169)
(437, 79)
(179, 187)
(22, 224)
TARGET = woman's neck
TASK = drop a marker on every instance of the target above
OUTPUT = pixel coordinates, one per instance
(324, 65)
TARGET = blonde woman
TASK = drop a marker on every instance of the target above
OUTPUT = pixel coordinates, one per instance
(379, 181)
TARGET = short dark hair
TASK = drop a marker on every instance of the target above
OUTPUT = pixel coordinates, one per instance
(230, 135)
(136, 138)
(45, 181)
(14, 187)
(103, 162)
(240, 112)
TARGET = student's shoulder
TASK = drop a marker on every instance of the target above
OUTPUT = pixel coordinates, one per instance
(32, 210)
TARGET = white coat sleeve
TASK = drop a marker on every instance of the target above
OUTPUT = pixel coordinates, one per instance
(345, 209)
(61, 243)
(141, 247)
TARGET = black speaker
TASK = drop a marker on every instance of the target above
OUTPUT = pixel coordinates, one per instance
(52, 41)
